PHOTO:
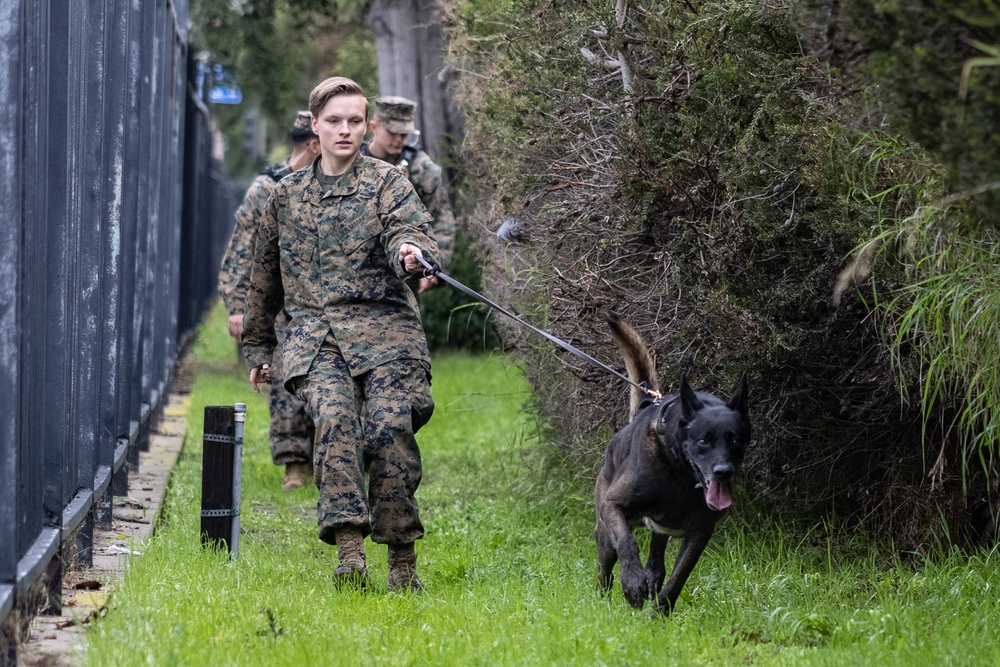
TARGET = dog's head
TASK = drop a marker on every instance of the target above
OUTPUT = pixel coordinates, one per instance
(713, 436)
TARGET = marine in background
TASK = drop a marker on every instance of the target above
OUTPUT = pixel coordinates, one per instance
(395, 139)
(290, 433)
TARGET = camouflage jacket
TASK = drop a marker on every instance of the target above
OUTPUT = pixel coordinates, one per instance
(427, 179)
(234, 277)
(331, 259)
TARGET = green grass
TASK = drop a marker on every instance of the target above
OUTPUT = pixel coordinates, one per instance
(509, 566)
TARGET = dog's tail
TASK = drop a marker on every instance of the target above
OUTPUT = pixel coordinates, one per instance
(639, 362)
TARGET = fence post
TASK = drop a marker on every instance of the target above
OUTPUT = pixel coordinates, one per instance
(222, 476)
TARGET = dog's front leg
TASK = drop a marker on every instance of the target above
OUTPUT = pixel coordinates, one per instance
(656, 569)
(691, 549)
(633, 577)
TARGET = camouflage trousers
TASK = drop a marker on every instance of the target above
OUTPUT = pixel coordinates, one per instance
(290, 435)
(367, 424)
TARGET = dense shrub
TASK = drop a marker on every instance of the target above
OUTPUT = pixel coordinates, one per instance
(712, 191)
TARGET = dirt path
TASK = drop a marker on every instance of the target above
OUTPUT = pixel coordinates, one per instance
(58, 641)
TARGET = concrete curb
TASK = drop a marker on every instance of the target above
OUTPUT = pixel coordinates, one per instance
(59, 641)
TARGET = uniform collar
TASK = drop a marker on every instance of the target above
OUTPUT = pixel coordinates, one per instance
(347, 184)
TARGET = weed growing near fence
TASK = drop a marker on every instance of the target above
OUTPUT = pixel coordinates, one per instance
(509, 565)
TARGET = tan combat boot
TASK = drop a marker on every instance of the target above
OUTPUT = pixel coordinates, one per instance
(351, 553)
(296, 475)
(403, 568)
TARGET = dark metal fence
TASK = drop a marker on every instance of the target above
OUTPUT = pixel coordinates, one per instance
(114, 213)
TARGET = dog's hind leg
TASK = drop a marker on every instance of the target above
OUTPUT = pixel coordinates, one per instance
(656, 569)
(606, 559)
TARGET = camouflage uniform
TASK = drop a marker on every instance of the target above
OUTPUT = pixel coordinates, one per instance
(355, 349)
(290, 434)
(234, 278)
(396, 113)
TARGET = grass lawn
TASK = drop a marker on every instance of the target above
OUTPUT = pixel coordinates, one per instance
(509, 567)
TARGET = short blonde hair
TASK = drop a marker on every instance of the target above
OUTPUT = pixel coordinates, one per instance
(332, 87)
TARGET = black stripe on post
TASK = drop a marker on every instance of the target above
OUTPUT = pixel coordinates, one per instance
(221, 476)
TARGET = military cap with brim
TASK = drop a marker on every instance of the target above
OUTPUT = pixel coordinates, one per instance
(395, 114)
(302, 127)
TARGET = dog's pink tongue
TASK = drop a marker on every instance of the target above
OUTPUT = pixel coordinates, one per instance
(717, 496)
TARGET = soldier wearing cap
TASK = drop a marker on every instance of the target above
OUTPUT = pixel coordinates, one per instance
(290, 435)
(394, 141)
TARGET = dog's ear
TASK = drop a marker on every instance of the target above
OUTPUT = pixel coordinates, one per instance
(689, 400)
(739, 401)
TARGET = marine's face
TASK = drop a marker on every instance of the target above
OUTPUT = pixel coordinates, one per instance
(340, 126)
(386, 142)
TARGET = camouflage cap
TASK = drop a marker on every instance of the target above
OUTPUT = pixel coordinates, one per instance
(395, 114)
(302, 127)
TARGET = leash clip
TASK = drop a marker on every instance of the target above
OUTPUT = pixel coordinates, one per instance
(655, 395)
(429, 269)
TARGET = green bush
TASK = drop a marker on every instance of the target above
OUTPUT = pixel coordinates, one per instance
(453, 319)
(714, 192)
(916, 51)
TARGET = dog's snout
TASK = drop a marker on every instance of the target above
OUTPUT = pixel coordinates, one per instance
(723, 472)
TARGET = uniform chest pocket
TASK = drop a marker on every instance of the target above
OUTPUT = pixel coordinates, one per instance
(297, 231)
(362, 239)
(297, 243)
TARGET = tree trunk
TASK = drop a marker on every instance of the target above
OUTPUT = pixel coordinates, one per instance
(411, 63)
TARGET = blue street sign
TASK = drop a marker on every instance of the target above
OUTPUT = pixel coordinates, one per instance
(225, 95)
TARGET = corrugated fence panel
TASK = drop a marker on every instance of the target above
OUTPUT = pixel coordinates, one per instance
(145, 254)
(10, 283)
(120, 212)
(32, 293)
(133, 246)
(110, 174)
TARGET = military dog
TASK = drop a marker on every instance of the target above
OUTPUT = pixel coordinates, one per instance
(669, 468)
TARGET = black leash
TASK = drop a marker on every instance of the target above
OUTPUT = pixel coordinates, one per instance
(434, 270)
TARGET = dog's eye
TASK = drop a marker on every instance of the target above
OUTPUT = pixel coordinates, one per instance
(703, 443)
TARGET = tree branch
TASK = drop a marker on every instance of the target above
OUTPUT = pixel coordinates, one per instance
(596, 60)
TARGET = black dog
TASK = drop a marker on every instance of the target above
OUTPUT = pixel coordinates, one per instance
(669, 468)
